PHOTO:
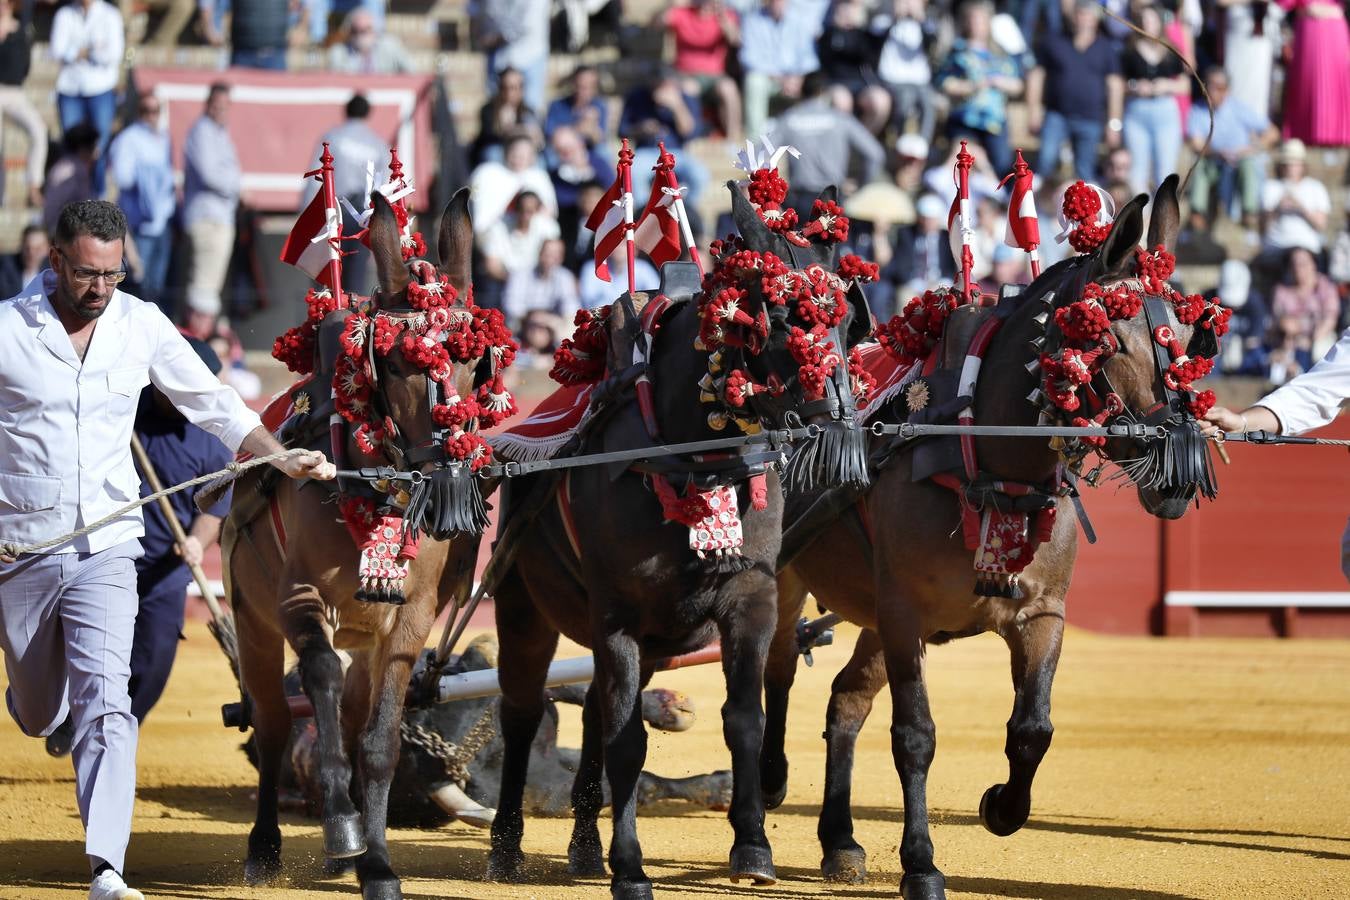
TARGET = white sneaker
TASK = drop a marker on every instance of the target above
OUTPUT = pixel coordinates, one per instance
(110, 886)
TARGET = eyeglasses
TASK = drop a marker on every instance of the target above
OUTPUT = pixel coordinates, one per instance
(89, 276)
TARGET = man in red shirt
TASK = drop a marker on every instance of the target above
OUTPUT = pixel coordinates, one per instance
(704, 31)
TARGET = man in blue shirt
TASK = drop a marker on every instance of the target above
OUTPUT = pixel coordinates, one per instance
(583, 109)
(1235, 156)
(211, 187)
(143, 172)
(1075, 90)
(778, 49)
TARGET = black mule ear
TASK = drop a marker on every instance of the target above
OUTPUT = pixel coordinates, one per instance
(748, 222)
(1165, 215)
(454, 244)
(1117, 251)
(386, 245)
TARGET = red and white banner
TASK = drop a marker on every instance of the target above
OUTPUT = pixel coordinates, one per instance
(609, 223)
(658, 230)
(277, 118)
(312, 244)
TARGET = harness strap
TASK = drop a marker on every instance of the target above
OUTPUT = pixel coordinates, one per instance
(970, 375)
(564, 493)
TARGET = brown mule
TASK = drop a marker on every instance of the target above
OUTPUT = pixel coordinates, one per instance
(912, 585)
(305, 596)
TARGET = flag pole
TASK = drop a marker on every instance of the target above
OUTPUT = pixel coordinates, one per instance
(626, 173)
(666, 163)
(963, 163)
(330, 203)
(1022, 170)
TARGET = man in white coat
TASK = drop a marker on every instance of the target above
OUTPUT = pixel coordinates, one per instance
(74, 355)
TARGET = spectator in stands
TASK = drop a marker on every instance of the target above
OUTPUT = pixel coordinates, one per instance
(979, 78)
(1153, 78)
(1243, 350)
(922, 257)
(142, 170)
(545, 287)
(704, 32)
(512, 244)
(17, 270)
(829, 142)
(211, 187)
(365, 50)
(662, 113)
(903, 66)
(1118, 165)
(258, 33)
(1075, 93)
(1294, 207)
(1008, 266)
(991, 223)
(1121, 192)
(1033, 11)
(87, 42)
(583, 110)
(848, 51)
(1251, 43)
(1234, 155)
(177, 15)
(505, 114)
(495, 184)
(1338, 256)
(911, 158)
(984, 179)
(1307, 311)
(595, 292)
(580, 244)
(211, 20)
(319, 16)
(777, 51)
(71, 177)
(15, 57)
(515, 35)
(571, 166)
(1317, 91)
(539, 335)
(356, 150)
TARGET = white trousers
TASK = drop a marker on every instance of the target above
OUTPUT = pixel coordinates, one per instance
(66, 626)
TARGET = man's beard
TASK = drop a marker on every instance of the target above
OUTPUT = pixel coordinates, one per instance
(81, 304)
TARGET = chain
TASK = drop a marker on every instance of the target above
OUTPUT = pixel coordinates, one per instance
(12, 550)
(454, 757)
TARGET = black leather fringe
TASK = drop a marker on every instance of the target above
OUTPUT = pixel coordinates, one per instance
(1186, 461)
(446, 503)
(834, 458)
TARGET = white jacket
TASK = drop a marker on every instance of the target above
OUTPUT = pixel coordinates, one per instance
(65, 425)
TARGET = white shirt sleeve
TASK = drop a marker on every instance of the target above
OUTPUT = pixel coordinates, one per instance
(195, 392)
(1314, 398)
(64, 48)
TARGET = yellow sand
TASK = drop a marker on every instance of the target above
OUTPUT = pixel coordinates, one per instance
(1180, 769)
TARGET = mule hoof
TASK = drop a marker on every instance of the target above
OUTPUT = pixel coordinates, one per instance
(382, 889)
(631, 890)
(754, 864)
(845, 865)
(995, 818)
(586, 860)
(262, 869)
(342, 836)
(506, 866)
(931, 886)
(334, 868)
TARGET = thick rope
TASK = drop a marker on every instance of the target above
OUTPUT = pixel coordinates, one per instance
(12, 550)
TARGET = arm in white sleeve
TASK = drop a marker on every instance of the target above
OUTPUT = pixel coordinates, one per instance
(108, 51)
(1314, 398)
(64, 48)
(179, 372)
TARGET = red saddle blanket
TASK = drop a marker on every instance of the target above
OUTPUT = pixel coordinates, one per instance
(891, 377)
(548, 428)
(278, 410)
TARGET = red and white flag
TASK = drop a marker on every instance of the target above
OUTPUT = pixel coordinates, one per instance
(658, 229)
(312, 244)
(1024, 227)
(960, 231)
(609, 222)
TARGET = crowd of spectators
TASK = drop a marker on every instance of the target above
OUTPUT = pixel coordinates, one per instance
(874, 94)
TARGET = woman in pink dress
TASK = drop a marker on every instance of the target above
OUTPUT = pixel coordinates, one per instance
(1317, 80)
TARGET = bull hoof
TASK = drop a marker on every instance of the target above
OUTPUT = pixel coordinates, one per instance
(845, 865)
(929, 886)
(996, 818)
(382, 889)
(507, 866)
(342, 837)
(753, 864)
(262, 869)
(631, 890)
(667, 710)
(585, 857)
(334, 868)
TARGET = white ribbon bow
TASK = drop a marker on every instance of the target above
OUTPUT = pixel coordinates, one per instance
(671, 195)
(393, 192)
(750, 161)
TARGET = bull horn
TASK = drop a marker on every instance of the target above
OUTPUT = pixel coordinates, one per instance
(454, 801)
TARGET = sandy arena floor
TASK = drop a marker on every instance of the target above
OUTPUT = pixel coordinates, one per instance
(1180, 769)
